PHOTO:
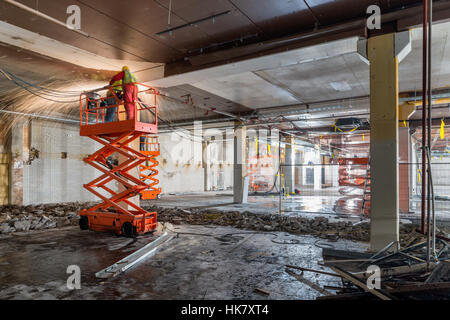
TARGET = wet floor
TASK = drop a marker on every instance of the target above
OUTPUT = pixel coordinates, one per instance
(332, 203)
(203, 262)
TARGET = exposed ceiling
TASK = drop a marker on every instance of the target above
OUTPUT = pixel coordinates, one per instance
(129, 31)
(299, 77)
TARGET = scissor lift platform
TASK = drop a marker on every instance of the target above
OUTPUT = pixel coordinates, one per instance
(116, 212)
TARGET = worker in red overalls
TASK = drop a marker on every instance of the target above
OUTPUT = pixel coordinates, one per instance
(129, 81)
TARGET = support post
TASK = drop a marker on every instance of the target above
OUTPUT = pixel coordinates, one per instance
(240, 163)
(289, 170)
(384, 53)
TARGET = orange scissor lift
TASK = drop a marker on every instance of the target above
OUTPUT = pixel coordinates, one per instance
(355, 172)
(148, 170)
(116, 212)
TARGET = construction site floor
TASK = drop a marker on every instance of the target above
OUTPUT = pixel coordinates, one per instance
(203, 262)
(326, 204)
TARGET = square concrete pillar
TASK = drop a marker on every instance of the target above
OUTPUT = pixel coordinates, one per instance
(383, 53)
(289, 169)
(317, 171)
(240, 163)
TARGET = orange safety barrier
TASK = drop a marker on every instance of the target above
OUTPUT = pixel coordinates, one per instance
(148, 171)
(117, 212)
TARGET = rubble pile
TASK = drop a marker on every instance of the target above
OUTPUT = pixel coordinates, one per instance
(319, 226)
(46, 216)
(36, 217)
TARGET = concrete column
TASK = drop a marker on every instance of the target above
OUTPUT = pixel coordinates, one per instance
(20, 151)
(382, 53)
(289, 169)
(240, 163)
(317, 171)
(205, 165)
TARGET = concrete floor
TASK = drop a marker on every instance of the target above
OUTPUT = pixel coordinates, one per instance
(331, 205)
(208, 263)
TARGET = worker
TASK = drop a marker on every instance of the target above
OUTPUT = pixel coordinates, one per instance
(114, 91)
(129, 90)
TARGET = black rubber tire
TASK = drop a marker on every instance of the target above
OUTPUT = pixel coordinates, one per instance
(84, 223)
(128, 230)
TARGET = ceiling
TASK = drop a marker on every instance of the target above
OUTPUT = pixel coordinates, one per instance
(311, 75)
(129, 31)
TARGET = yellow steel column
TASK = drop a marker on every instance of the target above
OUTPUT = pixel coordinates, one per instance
(383, 141)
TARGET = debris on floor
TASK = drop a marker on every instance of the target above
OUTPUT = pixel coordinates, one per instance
(319, 226)
(36, 217)
(231, 269)
(403, 274)
(133, 259)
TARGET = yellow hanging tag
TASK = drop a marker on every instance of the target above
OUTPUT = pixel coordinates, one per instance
(404, 123)
(268, 149)
(442, 129)
(364, 138)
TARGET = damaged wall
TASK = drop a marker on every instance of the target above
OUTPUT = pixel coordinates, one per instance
(50, 169)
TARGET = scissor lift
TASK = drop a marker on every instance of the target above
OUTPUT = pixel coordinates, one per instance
(355, 172)
(148, 170)
(116, 212)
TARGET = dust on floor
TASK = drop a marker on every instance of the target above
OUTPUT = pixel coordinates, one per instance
(203, 262)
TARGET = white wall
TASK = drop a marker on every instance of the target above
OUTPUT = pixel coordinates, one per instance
(51, 179)
(180, 164)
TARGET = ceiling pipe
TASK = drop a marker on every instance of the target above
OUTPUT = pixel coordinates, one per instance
(44, 16)
(356, 26)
